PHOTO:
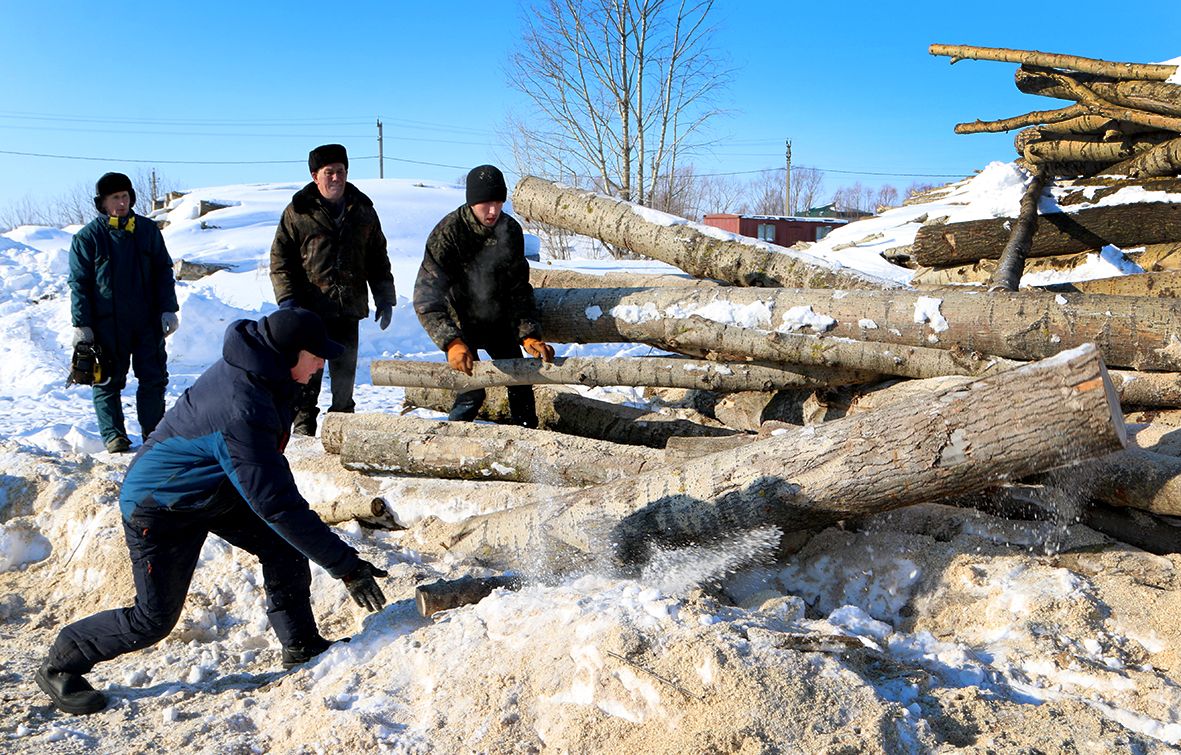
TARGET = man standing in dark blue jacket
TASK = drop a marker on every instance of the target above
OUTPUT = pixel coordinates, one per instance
(215, 464)
(123, 298)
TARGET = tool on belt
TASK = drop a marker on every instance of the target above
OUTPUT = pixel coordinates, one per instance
(86, 364)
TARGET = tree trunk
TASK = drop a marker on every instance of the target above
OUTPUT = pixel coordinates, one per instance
(565, 411)
(1124, 225)
(666, 372)
(1009, 426)
(1162, 160)
(1105, 128)
(445, 594)
(1166, 284)
(1047, 151)
(1136, 479)
(1148, 72)
(983, 270)
(1137, 332)
(470, 451)
(1150, 96)
(556, 277)
(1012, 261)
(699, 250)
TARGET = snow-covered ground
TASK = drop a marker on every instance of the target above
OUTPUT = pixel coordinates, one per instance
(928, 629)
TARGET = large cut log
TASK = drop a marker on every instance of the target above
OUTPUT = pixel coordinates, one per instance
(1008, 426)
(1167, 284)
(1114, 70)
(1162, 160)
(699, 250)
(1133, 478)
(565, 411)
(1151, 533)
(982, 271)
(1124, 225)
(556, 277)
(1104, 127)
(370, 509)
(1065, 150)
(666, 372)
(1152, 96)
(470, 451)
(1137, 332)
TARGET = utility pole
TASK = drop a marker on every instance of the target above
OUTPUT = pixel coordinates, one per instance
(153, 204)
(380, 152)
(787, 185)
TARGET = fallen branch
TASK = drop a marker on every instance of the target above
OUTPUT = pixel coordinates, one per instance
(1146, 71)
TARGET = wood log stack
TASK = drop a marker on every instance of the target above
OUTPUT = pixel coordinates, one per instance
(1121, 132)
(931, 397)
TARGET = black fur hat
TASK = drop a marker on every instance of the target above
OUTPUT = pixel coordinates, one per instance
(112, 183)
(326, 154)
(485, 183)
(291, 330)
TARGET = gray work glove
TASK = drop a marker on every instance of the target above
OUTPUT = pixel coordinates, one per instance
(363, 587)
(169, 323)
(83, 335)
(385, 312)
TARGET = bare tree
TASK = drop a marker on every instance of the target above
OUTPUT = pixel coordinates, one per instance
(806, 185)
(623, 91)
(764, 194)
(887, 196)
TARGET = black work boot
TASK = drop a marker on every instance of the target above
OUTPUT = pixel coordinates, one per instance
(305, 425)
(294, 655)
(69, 692)
(119, 444)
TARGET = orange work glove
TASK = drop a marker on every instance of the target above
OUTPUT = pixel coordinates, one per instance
(459, 356)
(538, 348)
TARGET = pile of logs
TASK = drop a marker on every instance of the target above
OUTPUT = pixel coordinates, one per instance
(1125, 118)
(841, 395)
(1123, 131)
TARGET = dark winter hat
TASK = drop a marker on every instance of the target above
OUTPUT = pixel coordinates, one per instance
(112, 183)
(293, 330)
(326, 154)
(485, 183)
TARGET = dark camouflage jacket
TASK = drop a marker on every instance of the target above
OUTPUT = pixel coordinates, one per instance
(474, 280)
(325, 266)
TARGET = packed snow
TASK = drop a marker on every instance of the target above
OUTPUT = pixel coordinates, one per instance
(930, 628)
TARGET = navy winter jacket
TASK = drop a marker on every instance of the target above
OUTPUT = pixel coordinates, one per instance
(120, 281)
(233, 423)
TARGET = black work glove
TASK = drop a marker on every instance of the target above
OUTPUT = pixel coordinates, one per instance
(384, 313)
(363, 587)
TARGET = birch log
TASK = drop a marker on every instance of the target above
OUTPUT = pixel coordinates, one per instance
(1161, 160)
(568, 412)
(1165, 283)
(1139, 332)
(1115, 70)
(1008, 426)
(661, 372)
(1152, 96)
(1124, 225)
(556, 277)
(699, 250)
(469, 451)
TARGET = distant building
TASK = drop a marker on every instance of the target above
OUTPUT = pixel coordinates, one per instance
(835, 211)
(776, 229)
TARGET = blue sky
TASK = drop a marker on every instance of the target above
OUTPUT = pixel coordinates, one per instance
(168, 84)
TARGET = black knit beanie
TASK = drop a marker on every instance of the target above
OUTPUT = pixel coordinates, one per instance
(326, 154)
(485, 183)
(292, 330)
(111, 183)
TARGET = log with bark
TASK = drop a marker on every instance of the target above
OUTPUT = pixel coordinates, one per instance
(1161, 160)
(1124, 225)
(471, 451)
(1012, 260)
(1097, 152)
(1133, 478)
(1012, 425)
(445, 594)
(1166, 284)
(981, 272)
(369, 509)
(565, 411)
(553, 277)
(667, 372)
(1154, 534)
(1150, 96)
(699, 250)
(1114, 70)
(1143, 333)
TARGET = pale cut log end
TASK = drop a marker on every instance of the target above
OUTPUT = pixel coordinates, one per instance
(1102, 381)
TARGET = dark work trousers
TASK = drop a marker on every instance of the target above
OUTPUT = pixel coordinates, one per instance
(164, 547)
(145, 354)
(521, 406)
(342, 374)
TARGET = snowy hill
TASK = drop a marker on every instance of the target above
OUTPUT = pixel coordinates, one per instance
(929, 629)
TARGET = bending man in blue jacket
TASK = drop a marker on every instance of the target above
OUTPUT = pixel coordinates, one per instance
(215, 464)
